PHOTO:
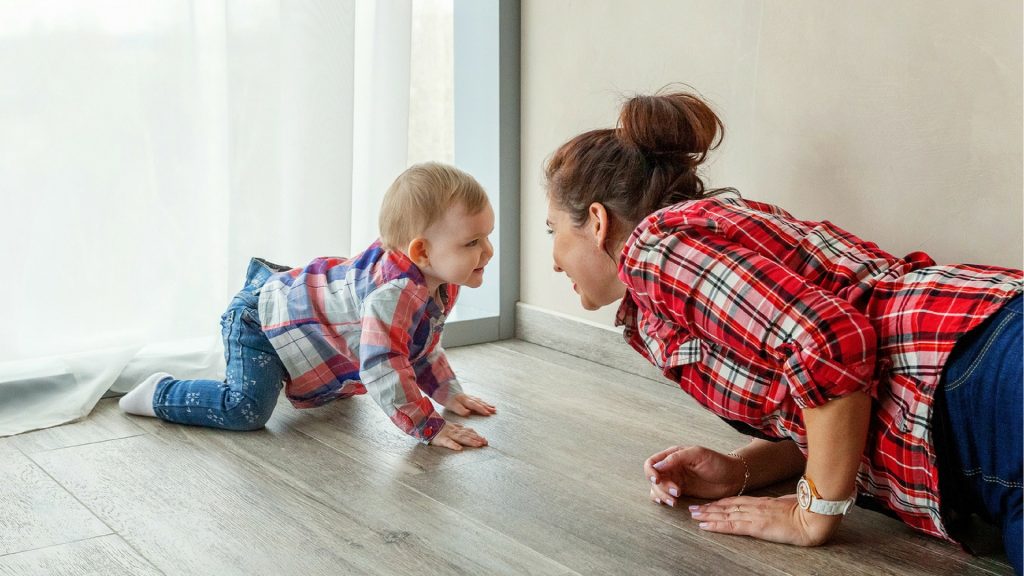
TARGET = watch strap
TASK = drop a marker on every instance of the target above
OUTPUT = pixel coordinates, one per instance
(831, 507)
(815, 503)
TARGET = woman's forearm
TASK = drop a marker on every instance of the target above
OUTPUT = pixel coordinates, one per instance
(836, 434)
(771, 462)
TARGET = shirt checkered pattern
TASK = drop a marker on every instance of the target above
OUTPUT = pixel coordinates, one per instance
(757, 314)
(368, 323)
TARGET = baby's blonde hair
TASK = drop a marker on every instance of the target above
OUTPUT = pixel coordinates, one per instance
(420, 196)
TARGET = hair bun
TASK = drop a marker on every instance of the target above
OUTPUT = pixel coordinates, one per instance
(676, 124)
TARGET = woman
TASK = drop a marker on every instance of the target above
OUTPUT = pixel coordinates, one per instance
(879, 379)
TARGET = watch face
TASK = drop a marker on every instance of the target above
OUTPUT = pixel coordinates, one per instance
(803, 494)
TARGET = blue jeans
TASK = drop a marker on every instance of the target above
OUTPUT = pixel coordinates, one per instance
(246, 398)
(978, 426)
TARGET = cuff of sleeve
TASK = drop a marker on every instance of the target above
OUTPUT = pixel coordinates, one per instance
(419, 420)
(431, 427)
(815, 380)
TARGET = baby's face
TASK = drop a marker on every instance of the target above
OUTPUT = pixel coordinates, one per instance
(458, 247)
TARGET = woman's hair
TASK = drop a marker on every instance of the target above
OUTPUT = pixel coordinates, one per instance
(647, 162)
(421, 196)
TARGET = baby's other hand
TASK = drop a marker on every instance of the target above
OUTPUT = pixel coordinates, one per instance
(464, 405)
(455, 436)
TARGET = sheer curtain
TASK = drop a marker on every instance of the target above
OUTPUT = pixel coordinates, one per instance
(150, 148)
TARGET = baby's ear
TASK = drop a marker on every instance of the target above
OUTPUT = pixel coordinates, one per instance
(418, 250)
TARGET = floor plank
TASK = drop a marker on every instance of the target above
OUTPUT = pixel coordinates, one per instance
(912, 543)
(543, 387)
(35, 511)
(359, 429)
(105, 555)
(591, 530)
(104, 423)
(200, 501)
(339, 490)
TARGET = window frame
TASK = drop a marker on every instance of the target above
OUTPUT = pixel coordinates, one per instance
(486, 53)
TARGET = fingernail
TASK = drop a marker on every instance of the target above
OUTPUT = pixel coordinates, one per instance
(658, 465)
(673, 492)
(654, 480)
(658, 500)
(704, 525)
(694, 508)
(696, 513)
(670, 502)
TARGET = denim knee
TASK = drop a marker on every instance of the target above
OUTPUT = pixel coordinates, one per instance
(247, 415)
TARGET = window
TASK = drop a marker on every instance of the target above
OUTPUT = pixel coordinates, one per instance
(464, 108)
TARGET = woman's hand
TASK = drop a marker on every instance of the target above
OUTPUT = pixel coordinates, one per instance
(704, 473)
(464, 405)
(455, 436)
(693, 471)
(773, 519)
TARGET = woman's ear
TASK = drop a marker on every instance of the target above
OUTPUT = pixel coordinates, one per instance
(418, 251)
(598, 223)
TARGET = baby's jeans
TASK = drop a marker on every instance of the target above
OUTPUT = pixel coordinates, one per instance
(978, 426)
(245, 399)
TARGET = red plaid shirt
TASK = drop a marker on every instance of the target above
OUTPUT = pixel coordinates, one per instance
(758, 315)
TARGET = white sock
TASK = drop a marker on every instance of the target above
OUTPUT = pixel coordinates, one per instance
(140, 400)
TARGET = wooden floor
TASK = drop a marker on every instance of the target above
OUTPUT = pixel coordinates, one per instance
(338, 490)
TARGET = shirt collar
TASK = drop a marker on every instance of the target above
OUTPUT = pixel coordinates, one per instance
(626, 314)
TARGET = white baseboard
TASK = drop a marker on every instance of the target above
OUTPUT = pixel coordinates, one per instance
(590, 341)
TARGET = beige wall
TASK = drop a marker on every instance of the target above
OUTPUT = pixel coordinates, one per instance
(898, 120)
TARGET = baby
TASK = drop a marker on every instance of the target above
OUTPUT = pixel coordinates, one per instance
(344, 326)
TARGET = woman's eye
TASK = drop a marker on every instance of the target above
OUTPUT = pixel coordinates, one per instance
(550, 231)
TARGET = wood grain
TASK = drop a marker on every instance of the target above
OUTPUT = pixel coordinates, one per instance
(201, 501)
(35, 511)
(105, 555)
(104, 423)
(339, 490)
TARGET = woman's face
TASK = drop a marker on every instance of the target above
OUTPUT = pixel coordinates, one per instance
(579, 252)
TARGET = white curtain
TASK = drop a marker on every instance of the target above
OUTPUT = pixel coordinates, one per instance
(149, 148)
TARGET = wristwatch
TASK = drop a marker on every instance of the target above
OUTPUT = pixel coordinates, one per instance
(809, 499)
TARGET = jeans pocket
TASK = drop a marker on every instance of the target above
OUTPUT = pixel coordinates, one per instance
(969, 354)
(251, 316)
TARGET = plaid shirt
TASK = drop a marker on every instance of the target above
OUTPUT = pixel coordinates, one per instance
(758, 315)
(345, 326)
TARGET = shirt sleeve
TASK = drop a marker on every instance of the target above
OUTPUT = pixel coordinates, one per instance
(731, 296)
(436, 377)
(389, 315)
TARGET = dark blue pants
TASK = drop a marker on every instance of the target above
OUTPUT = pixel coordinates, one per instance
(978, 425)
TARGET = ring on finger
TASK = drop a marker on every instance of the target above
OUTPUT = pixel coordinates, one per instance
(737, 508)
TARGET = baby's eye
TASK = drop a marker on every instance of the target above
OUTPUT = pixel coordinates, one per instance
(549, 231)
(473, 243)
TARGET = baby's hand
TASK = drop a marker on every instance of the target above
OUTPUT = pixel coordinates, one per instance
(455, 436)
(464, 405)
